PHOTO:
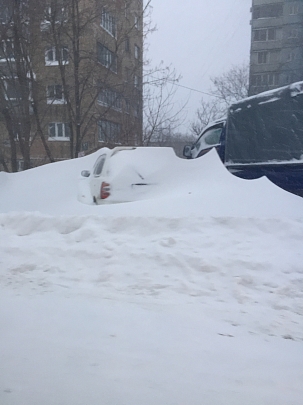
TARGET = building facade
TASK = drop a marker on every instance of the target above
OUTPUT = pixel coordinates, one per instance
(276, 57)
(71, 78)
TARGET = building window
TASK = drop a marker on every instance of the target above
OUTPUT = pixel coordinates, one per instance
(294, 9)
(268, 34)
(268, 11)
(7, 50)
(272, 79)
(127, 106)
(108, 22)
(137, 22)
(136, 81)
(59, 131)
(127, 45)
(106, 57)
(137, 109)
(127, 75)
(12, 89)
(291, 56)
(137, 52)
(5, 12)
(55, 12)
(262, 57)
(126, 8)
(55, 56)
(289, 78)
(294, 33)
(267, 79)
(20, 165)
(110, 98)
(55, 94)
(108, 131)
(85, 146)
(271, 34)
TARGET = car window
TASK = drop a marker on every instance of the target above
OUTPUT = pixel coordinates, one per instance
(210, 138)
(99, 165)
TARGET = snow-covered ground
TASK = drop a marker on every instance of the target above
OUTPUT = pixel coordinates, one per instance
(193, 296)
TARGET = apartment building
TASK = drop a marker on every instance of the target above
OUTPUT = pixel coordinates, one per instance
(276, 57)
(70, 78)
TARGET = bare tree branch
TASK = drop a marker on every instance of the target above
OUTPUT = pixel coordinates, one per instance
(228, 88)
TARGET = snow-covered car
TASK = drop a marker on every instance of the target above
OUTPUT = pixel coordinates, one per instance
(122, 174)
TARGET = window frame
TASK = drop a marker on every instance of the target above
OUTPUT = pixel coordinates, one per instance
(294, 9)
(65, 128)
(267, 36)
(263, 11)
(52, 95)
(110, 98)
(137, 52)
(55, 61)
(108, 131)
(3, 51)
(108, 22)
(294, 33)
(265, 79)
(137, 83)
(6, 14)
(262, 57)
(61, 14)
(137, 22)
(10, 81)
(107, 58)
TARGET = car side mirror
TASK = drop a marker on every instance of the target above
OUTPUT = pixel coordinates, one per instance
(85, 173)
(187, 151)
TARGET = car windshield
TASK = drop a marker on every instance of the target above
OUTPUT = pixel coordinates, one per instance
(209, 138)
(266, 129)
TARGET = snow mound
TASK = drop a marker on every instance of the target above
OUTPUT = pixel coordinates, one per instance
(193, 295)
(201, 187)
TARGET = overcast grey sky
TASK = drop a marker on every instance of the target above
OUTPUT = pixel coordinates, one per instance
(201, 39)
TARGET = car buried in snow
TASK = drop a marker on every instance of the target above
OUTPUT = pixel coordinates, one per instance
(261, 136)
(122, 174)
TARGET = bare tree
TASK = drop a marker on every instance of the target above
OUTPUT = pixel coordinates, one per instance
(232, 85)
(226, 89)
(91, 83)
(17, 85)
(87, 78)
(91, 80)
(160, 112)
(15, 91)
(207, 112)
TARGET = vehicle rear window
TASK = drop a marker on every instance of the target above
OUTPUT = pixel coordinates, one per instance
(99, 165)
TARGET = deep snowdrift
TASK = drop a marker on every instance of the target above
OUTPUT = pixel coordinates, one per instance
(200, 187)
(192, 296)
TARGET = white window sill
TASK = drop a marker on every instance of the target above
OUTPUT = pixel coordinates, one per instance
(109, 106)
(55, 63)
(45, 25)
(61, 138)
(56, 102)
(108, 67)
